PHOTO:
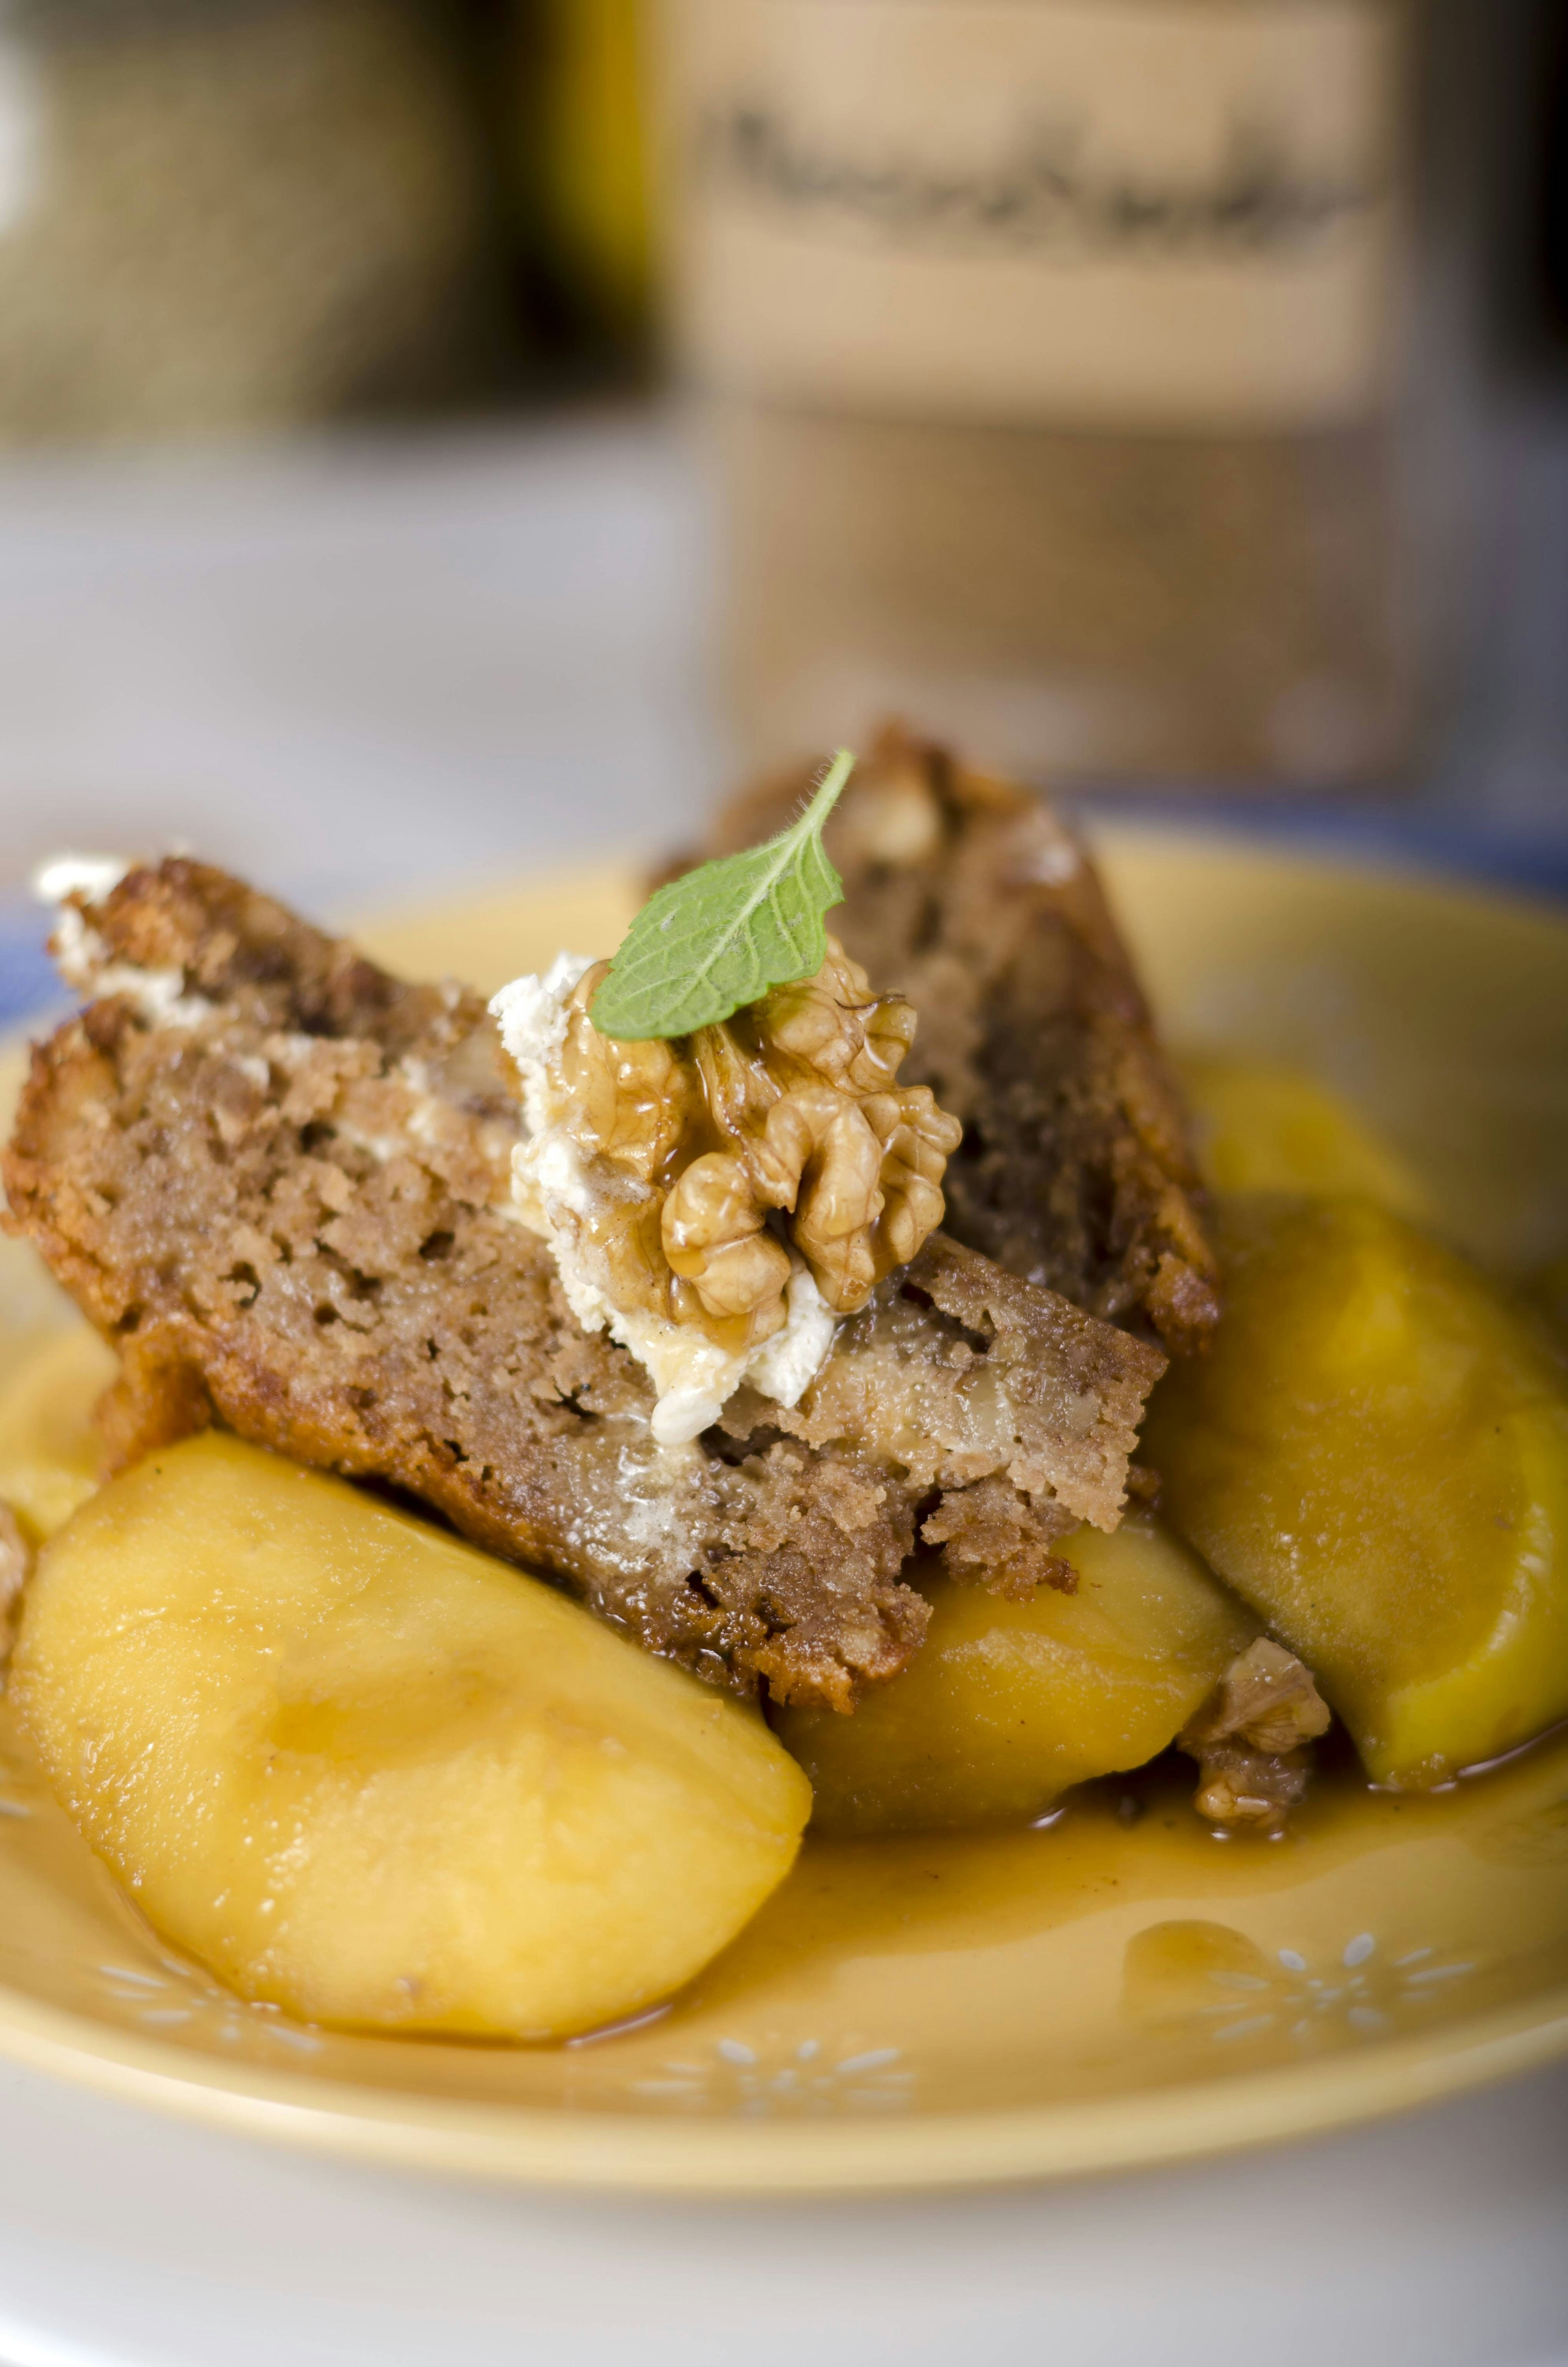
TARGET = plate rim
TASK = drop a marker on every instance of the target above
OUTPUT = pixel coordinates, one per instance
(545, 2147)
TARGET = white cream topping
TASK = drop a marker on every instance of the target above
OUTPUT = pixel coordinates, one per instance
(81, 955)
(531, 1015)
(556, 1188)
(91, 875)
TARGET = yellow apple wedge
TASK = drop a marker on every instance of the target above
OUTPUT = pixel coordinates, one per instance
(1262, 1127)
(48, 1448)
(1374, 1454)
(1008, 1705)
(376, 1777)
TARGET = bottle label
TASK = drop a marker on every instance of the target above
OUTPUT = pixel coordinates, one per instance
(1139, 213)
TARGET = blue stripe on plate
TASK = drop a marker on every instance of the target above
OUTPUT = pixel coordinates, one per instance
(1459, 847)
(28, 982)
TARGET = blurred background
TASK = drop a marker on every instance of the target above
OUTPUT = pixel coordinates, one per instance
(446, 436)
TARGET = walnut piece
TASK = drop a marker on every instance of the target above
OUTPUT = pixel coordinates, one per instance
(1251, 1737)
(713, 1232)
(783, 1129)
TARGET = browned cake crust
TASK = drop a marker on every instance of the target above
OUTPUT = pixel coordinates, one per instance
(967, 895)
(277, 1180)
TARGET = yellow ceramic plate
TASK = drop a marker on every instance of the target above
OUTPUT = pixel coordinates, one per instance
(1106, 1991)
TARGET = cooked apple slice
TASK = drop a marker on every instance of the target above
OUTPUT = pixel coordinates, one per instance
(1374, 1454)
(372, 1775)
(1261, 1127)
(1008, 1704)
(49, 1449)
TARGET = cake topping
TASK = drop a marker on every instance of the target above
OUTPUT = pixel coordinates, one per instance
(718, 1202)
(719, 1199)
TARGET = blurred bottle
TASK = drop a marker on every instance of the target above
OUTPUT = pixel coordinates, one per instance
(233, 214)
(1063, 359)
(577, 149)
(1530, 129)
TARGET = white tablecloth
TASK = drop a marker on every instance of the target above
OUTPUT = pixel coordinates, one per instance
(1437, 2241)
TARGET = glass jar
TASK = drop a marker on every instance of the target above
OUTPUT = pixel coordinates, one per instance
(1060, 362)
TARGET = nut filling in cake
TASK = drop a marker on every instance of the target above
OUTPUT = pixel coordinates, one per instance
(279, 1182)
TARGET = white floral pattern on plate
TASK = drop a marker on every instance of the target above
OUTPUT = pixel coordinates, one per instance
(776, 2076)
(177, 1998)
(1202, 1976)
(1361, 1994)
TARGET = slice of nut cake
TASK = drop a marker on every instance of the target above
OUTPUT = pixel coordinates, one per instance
(968, 896)
(277, 1180)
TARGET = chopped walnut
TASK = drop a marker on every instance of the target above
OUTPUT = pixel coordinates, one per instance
(1251, 1737)
(782, 1130)
(1267, 1697)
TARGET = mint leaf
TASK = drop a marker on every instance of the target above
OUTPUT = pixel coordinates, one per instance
(705, 946)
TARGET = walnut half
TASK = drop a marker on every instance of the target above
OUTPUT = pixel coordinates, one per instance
(784, 1129)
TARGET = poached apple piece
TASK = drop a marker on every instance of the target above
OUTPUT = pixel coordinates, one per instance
(1011, 1703)
(1263, 1127)
(50, 1452)
(1374, 1454)
(372, 1776)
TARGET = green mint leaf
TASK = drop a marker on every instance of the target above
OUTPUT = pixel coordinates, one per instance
(705, 946)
